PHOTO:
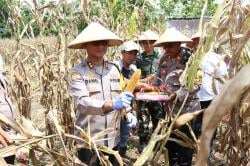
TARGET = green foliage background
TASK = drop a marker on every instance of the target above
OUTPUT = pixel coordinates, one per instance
(186, 8)
(125, 16)
(4, 13)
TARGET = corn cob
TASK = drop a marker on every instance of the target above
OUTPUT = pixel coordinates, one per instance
(131, 87)
(133, 81)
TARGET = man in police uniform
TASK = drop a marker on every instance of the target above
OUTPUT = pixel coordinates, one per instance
(95, 87)
(171, 41)
(148, 62)
(129, 51)
(170, 70)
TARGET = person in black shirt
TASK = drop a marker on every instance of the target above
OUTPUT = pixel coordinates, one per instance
(129, 52)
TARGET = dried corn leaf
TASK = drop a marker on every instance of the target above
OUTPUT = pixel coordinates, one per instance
(3, 162)
(14, 125)
(102, 133)
(13, 148)
(181, 143)
(110, 151)
(184, 118)
(60, 133)
(147, 152)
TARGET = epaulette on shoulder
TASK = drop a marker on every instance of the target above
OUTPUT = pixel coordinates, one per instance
(112, 63)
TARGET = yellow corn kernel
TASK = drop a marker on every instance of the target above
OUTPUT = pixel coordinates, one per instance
(133, 81)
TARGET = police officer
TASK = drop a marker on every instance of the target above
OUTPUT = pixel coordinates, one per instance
(171, 41)
(129, 51)
(148, 62)
(170, 70)
(95, 87)
(7, 109)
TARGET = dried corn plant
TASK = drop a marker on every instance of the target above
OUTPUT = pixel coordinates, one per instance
(229, 30)
(20, 85)
(156, 147)
(51, 63)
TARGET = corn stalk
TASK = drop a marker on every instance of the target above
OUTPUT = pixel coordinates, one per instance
(230, 31)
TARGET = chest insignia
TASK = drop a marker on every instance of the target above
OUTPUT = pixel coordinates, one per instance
(75, 76)
(91, 75)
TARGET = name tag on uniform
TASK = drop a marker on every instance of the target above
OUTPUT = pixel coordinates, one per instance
(91, 81)
(114, 80)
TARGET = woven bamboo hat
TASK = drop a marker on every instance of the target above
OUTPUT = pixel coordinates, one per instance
(196, 35)
(171, 35)
(148, 35)
(94, 32)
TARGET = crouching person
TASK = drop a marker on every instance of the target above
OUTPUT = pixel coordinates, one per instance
(95, 87)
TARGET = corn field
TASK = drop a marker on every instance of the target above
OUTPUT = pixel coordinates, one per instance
(37, 69)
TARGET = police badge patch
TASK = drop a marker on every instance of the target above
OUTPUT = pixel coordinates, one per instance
(91, 75)
(75, 76)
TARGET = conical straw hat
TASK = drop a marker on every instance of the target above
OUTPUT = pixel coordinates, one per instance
(196, 35)
(95, 32)
(148, 35)
(171, 35)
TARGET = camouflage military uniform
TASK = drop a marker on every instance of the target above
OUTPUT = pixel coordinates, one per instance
(147, 110)
(148, 63)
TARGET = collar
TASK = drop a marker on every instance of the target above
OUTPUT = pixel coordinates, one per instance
(170, 60)
(92, 66)
(122, 65)
(98, 70)
(153, 56)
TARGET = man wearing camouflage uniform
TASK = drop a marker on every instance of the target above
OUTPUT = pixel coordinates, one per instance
(170, 70)
(148, 62)
(95, 87)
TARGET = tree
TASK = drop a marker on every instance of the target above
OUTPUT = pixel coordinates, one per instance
(4, 13)
(186, 8)
(126, 18)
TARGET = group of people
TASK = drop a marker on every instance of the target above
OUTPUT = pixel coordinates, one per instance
(97, 87)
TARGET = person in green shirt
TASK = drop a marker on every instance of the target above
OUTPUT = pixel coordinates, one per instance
(147, 112)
